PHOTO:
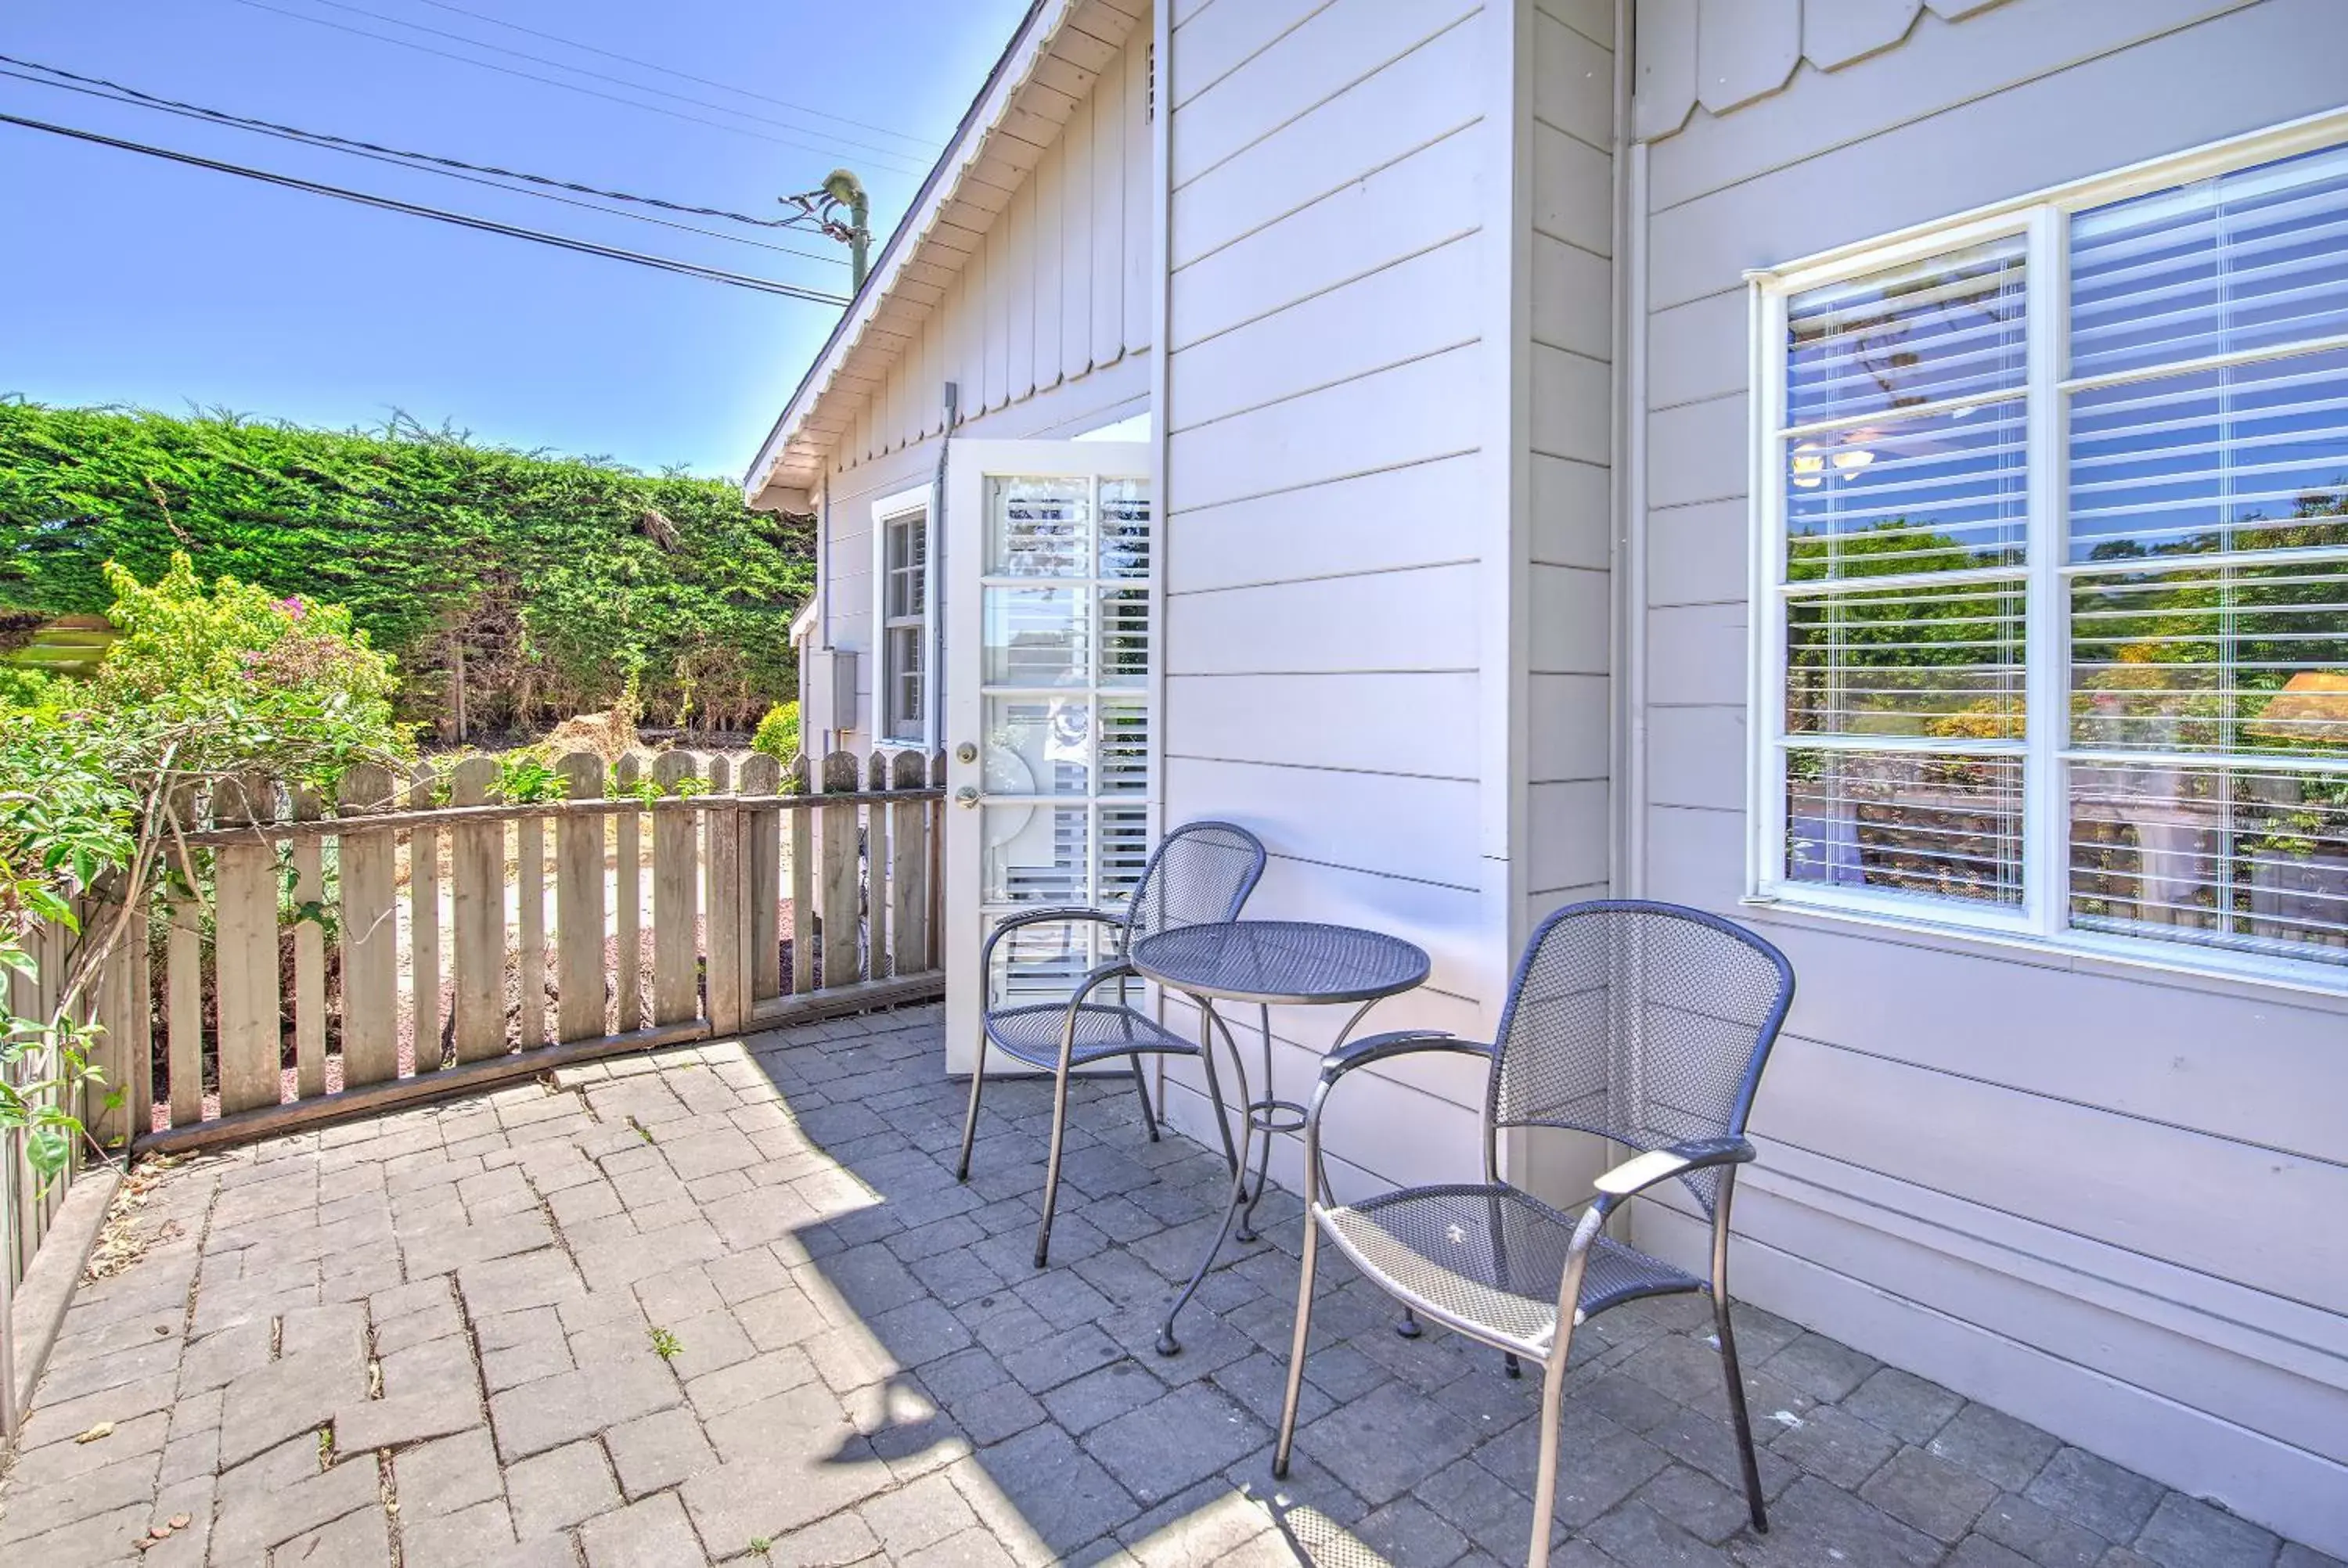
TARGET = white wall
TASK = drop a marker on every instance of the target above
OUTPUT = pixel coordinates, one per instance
(2106, 1202)
(1331, 509)
(1045, 331)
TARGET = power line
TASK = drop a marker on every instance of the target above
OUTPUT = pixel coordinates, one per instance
(925, 144)
(461, 220)
(828, 151)
(327, 138)
(300, 138)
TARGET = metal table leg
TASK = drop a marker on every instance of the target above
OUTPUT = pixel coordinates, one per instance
(1208, 1024)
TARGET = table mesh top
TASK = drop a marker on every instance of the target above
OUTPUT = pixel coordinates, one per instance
(1280, 961)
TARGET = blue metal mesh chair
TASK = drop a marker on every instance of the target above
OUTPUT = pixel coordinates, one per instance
(1200, 873)
(1643, 1023)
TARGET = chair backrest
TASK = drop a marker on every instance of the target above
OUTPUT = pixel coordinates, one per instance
(1201, 872)
(1645, 1023)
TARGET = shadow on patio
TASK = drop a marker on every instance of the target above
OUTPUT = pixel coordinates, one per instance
(727, 1303)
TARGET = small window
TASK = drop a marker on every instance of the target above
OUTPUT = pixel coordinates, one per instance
(901, 677)
(2055, 637)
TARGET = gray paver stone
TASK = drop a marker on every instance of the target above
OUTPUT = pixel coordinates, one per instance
(400, 1419)
(658, 1450)
(252, 1524)
(446, 1476)
(1910, 1408)
(460, 1539)
(554, 1490)
(2186, 1533)
(1356, 1442)
(358, 1539)
(2113, 1503)
(2044, 1537)
(297, 1394)
(1937, 1497)
(560, 1409)
(1995, 1445)
(1158, 1449)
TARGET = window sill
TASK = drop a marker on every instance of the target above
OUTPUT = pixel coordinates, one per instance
(2246, 975)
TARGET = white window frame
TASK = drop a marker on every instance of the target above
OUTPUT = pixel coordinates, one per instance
(886, 511)
(2042, 220)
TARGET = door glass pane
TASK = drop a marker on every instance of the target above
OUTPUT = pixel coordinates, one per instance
(1039, 527)
(1041, 964)
(1038, 745)
(1124, 748)
(1035, 636)
(1036, 855)
(1124, 527)
(1124, 852)
(1125, 636)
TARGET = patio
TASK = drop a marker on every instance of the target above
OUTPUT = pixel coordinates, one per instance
(727, 1303)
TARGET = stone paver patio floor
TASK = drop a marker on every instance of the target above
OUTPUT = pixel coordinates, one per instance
(728, 1304)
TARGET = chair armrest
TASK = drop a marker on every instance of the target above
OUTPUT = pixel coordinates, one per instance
(1400, 1042)
(1644, 1171)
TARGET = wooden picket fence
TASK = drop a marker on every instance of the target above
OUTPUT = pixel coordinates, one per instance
(421, 939)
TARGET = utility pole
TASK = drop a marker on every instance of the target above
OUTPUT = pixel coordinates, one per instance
(841, 190)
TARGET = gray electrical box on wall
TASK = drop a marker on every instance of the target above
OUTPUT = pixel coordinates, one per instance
(835, 679)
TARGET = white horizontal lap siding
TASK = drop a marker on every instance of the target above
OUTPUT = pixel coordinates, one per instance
(1568, 824)
(2103, 1198)
(1324, 463)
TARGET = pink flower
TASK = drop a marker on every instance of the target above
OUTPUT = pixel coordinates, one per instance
(294, 608)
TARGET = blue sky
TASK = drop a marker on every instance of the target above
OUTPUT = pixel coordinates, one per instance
(132, 281)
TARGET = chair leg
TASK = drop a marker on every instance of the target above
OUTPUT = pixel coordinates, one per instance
(1545, 1481)
(1408, 1324)
(970, 1119)
(1736, 1411)
(1512, 1366)
(1296, 1344)
(1141, 1087)
(1728, 1364)
(1052, 1166)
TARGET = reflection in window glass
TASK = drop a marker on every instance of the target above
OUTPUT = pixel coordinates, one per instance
(2240, 857)
(1039, 527)
(1035, 636)
(2255, 258)
(1949, 327)
(1934, 825)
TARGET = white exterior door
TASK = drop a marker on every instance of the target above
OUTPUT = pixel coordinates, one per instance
(1051, 666)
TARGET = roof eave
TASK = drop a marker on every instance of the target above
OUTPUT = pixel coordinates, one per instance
(985, 112)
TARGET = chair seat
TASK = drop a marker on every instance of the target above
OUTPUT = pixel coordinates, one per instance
(1491, 1258)
(1032, 1034)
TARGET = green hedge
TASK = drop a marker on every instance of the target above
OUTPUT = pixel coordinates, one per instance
(554, 577)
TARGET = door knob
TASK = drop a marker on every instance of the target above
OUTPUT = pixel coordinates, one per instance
(967, 796)
(965, 752)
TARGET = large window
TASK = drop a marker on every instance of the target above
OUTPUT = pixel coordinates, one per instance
(2054, 568)
(901, 567)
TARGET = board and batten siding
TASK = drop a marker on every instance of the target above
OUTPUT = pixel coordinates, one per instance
(2104, 1199)
(1044, 329)
(1328, 512)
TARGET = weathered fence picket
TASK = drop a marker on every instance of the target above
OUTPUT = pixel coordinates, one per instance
(628, 921)
(245, 953)
(676, 898)
(579, 909)
(423, 921)
(308, 855)
(477, 902)
(369, 927)
(837, 905)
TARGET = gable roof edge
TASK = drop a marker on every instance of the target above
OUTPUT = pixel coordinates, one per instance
(1020, 57)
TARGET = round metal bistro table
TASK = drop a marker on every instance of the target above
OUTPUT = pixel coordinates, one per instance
(1292, 963)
